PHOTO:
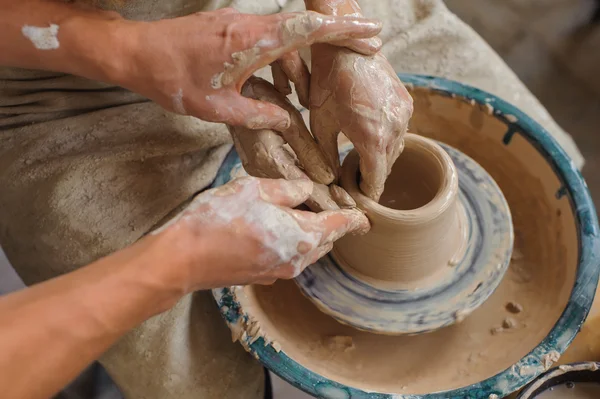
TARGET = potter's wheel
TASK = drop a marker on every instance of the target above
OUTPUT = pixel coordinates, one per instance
(553, 275)
(373, 306)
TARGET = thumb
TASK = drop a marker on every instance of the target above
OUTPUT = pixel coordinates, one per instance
(255, 114)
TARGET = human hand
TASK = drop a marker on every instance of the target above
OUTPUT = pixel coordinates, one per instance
(197, 64)
(363, 98)
(263, 152)
(247, 232)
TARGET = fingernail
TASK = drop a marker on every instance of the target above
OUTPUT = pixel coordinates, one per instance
(283, 124)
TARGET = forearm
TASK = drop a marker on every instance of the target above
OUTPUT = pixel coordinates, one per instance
(56, 36)
(52, 331)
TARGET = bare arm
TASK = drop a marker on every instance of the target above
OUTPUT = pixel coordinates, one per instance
(52, 331)
(194, 65)
(56, 36)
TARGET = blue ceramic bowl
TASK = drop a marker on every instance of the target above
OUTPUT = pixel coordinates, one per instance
(554, 273)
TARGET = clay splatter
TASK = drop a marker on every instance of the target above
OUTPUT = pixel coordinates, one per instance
(42, 38)
(178, 102)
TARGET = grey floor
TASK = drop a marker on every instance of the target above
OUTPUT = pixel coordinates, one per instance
(552, 48)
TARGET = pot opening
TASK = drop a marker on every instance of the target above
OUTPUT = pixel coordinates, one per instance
(415, 180)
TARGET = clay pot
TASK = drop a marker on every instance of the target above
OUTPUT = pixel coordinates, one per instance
(420, 234)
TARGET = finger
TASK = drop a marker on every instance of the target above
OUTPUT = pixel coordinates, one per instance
(362, 46)
(255, 114)
(341, 197)
(305, 28)
(296, 135)
(289, 32)
(280, 79)
(326, 133)
(285, 193)
(310, 155)
(263, 155)
(337, 224)
(374, 172)
(297, 72)
(321, 199)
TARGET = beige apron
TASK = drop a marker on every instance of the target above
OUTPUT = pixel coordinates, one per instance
(87, 168)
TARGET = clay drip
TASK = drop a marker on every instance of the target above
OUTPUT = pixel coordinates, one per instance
(424, 236)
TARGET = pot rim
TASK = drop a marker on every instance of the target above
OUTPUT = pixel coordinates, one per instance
(557, 340)
(445, 196)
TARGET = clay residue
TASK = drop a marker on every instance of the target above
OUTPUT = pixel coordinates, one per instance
(262, 151)
(246, 329)
(341, 197)
(514, 307)
(340, 343)
(43, 38)
(549, 359)
(301, 26)
(178, 106)
(241, 62)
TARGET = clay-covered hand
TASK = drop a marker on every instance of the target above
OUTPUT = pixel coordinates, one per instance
(360, 96)
(197, 64)
(264, 152)
(363, 98)
(248, 232)
(291, 68)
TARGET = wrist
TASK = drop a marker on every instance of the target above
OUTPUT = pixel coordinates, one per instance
(101, 46)
(177, 257)
(154, 266)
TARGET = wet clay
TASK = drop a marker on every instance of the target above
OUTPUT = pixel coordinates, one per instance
(539, 279)
(578, 390)
(415, 243)
(265, 152)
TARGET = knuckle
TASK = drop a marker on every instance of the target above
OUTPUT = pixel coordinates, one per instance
(286, 272)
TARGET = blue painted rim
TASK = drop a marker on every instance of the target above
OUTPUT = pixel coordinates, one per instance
(563, 332)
